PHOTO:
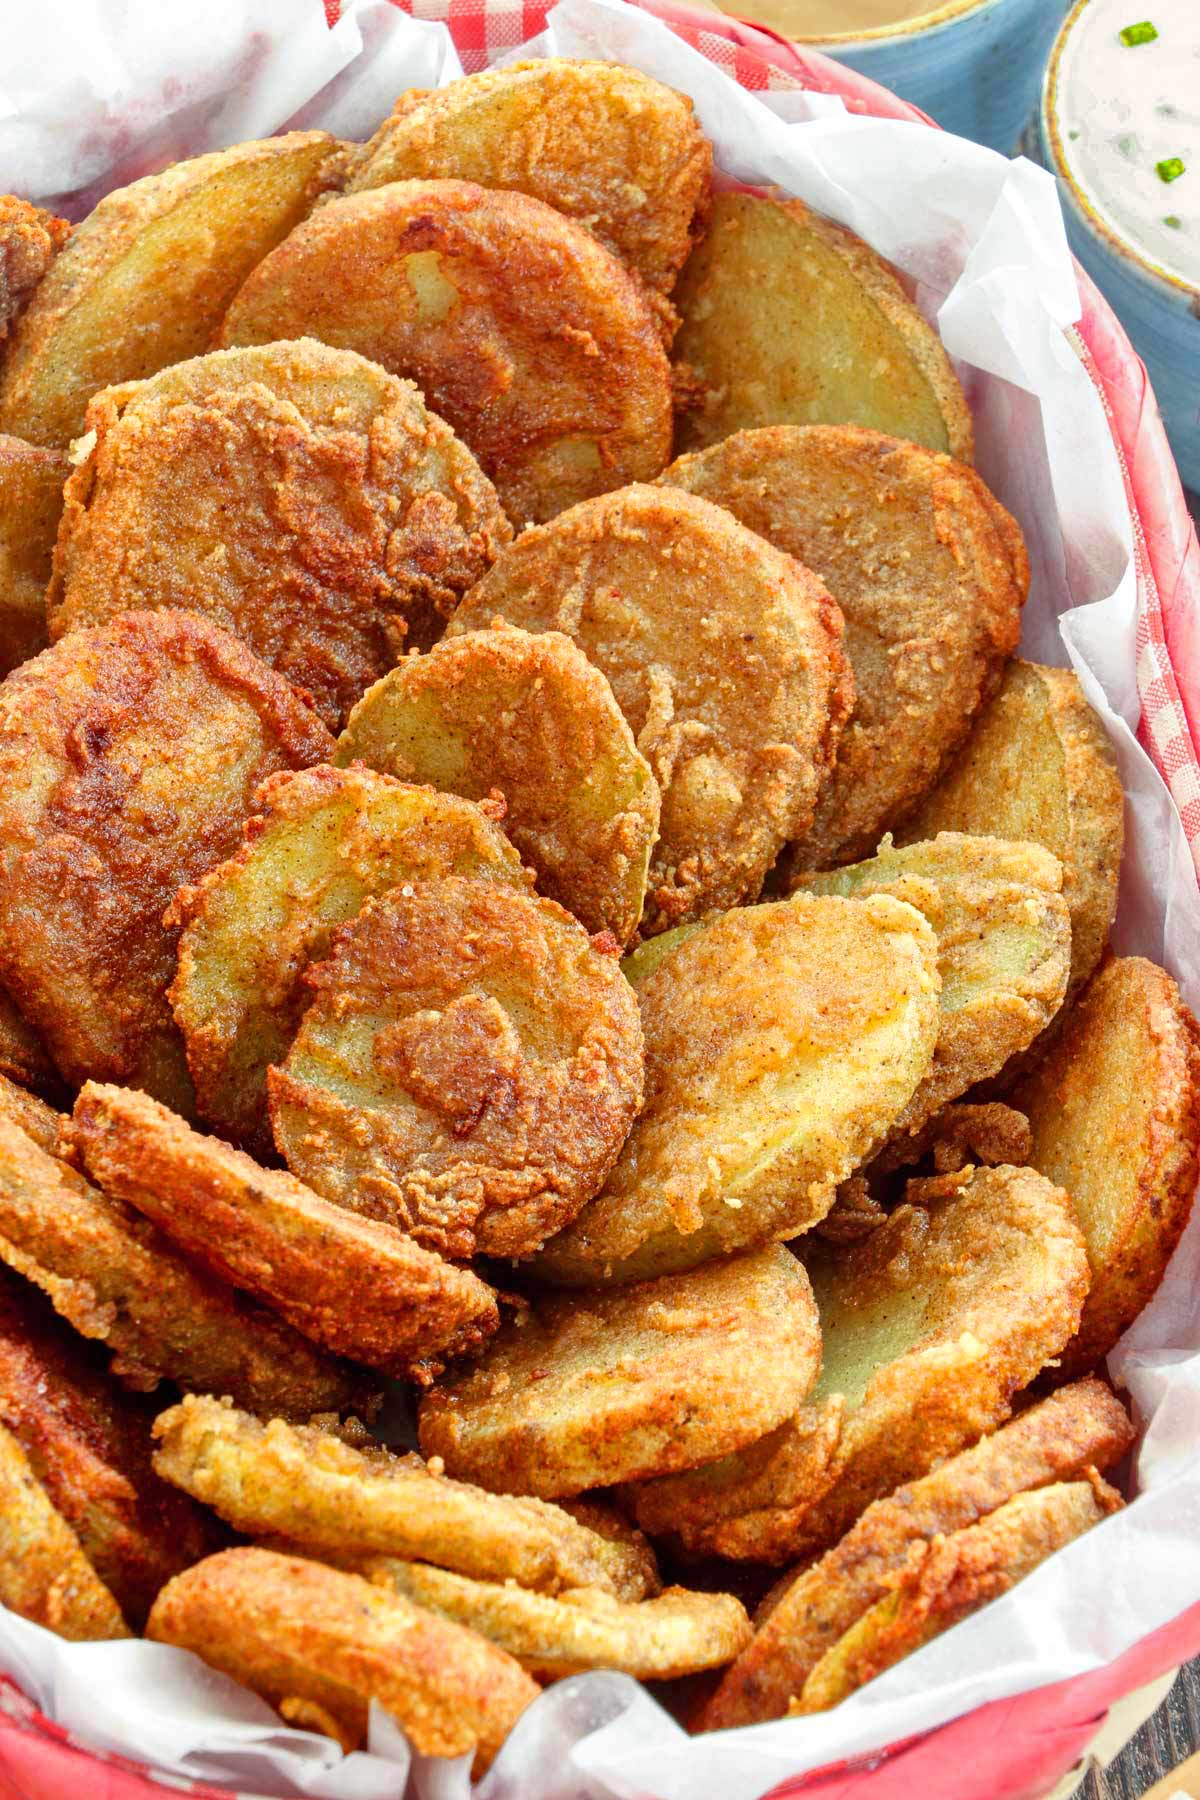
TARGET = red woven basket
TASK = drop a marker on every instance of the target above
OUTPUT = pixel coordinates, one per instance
(1016, 1749)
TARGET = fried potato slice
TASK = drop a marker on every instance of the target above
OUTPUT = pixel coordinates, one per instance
(30, 239)
(31, 1113)
(321, 843)
(1114, 1108)
(337, 1493)
(23, 1056)
(782, 1042)
(89, 1447)
(606, 145)
(723, 654)
(619, 1386)
(1079, 1427)
(146, 278)
(44, 1575)
(1038, 765)
(298, 496)
(352, 1285)
(468, 1070)
(31, 502)
(930, 573)
(1004, 953)
(528, 716)
(528, 337)
(320, 1645)
(953, 1578)
(129, 756)
(790, 319)
(929, 1326)
(115, 1278)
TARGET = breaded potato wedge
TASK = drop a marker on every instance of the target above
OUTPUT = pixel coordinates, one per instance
(930, 573)
(1038, 765)
(607, 145)
(929, 1325)
(525, 715)
(321, 842)
(1004, 953)
(619, 1386)
(468, 1070)
(115, 1278)
(129, 757)
(89, 1446)
(1079, 1427)
(725, 657)
(332, 1493)
(300, 497)
(31, 503)
(522, 331)
(1114, 1108)
(352, 1285)
(44, 1575)
(782, 1043)
(790, 319)
(320, 1645)
(23, 1056)
(30, 239)
(954, 1577)
(146, 279)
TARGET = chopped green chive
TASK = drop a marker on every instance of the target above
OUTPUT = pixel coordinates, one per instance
(1144, 33)
(1171, 169)
(1173, 220)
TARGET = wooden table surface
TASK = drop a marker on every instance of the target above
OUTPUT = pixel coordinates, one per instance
(1165, 1740)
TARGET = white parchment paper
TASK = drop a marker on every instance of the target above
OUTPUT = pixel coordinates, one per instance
(93, 92)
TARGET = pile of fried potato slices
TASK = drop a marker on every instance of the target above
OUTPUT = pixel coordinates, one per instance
(590, 964)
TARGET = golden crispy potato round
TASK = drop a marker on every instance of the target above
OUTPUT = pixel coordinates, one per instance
(782, 1042)
(1082, 1426)
(44, 1574)
(604, 144)
(146, 278)
(321, 1645)
(583, 1392)
(468, 1070)
(30, 239)
(790, 319)
(298, 496)
(1038, 765)
(129, 756)
(527, 336)
(931, 575)
(31, 501)
(1114, 1108)
(352, 1285)
(526, 715)
(725, 657)
(322, 842)
(337, 1493)
(929, 1325)
(1004, 953)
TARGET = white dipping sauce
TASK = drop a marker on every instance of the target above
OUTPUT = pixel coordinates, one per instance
(1121, 110)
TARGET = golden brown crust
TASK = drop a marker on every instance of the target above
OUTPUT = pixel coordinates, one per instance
(295, 1631)
(29, 1111)
(298, 496)
(23, 1056)
(533, 342)
(468, 1070)
(31, 501)
(923, 562)
(44, 1575)
(30, 239)
(723, 654)
(526, 716)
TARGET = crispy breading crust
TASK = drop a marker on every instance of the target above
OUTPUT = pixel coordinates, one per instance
(1078, 1427)
(23, 1056)
(1114, 1108)
(298, 496)
(30, 239)
(129, 756)
(604, 144)
(44, 1575)
(330, 1494)
(523, 332)
(526, 716)
(31, 502)
(31, 1113)
(622, 1385)
(725, 657)
(320, 1645)
(964, 1133)
(468, 1070)
(352, 1285)
(322, 841)
(930, 573)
